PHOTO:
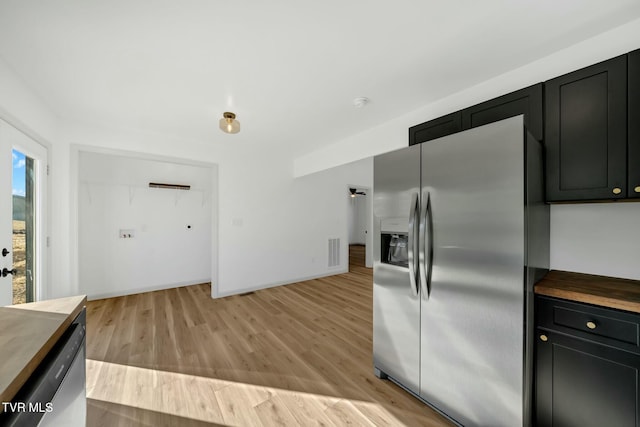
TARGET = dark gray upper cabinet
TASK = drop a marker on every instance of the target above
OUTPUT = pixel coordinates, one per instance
(588, 120)
(436, 128)
(586, 133)
(634, 125)
(527, 101)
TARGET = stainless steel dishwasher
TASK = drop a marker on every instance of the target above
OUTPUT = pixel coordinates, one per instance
(55, 394)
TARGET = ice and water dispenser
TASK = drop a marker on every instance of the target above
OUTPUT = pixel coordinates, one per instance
(394, 239)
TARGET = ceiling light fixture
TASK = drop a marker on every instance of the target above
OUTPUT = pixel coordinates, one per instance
(229, 124)
(355, 192)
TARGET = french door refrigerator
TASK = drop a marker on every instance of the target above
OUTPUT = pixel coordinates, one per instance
(461, 236)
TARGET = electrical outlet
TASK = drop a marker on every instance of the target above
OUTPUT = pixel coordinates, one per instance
(127, 234)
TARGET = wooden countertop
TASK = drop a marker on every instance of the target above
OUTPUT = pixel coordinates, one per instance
(623, 294)
(27, 333)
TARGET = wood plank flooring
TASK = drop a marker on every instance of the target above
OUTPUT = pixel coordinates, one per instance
(294, 355)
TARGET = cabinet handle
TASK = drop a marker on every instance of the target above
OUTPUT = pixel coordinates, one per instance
(637, 189)
(543, 338)
(591, 325)
(617, 190)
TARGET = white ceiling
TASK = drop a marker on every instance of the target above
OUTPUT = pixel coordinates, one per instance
(289, 68)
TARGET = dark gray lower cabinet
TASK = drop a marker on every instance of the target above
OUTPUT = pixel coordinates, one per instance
(587, 365)
(580, 383)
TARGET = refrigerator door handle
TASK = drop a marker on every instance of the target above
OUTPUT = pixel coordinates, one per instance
(411, 250)
(426, 245)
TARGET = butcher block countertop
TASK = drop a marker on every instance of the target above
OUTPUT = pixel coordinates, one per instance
(623, 294)
(27, 333)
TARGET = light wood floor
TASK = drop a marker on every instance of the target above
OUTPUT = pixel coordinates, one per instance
(294, 355)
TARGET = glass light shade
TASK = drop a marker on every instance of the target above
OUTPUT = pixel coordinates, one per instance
(229, 124)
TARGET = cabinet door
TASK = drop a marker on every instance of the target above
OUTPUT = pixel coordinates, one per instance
(436, 128)
(634, 124)
(580, 383)
(586, 133)
(527, 101)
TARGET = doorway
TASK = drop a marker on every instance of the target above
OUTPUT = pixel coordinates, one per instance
(22, 213)
(359, 226)
(145, 222)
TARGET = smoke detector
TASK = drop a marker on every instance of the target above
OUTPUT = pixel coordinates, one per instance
(361, 101)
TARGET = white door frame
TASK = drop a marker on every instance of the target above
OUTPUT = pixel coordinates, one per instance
(6, 215)
(368, 258)
(19, 140)
(76, 149)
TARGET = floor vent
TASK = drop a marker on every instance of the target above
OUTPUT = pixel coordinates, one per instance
(334, 252)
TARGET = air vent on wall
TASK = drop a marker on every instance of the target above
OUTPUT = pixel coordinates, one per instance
(169, 186)
(334, 252)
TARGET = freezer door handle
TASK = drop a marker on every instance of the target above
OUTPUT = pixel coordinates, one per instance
(411, 250)
(426, 245)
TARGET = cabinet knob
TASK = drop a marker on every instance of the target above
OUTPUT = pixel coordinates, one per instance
(617, 190)
(637, 189)
(591, 325)
(543, 338)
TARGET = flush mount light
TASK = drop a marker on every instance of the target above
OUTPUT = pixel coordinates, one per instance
(229, 124)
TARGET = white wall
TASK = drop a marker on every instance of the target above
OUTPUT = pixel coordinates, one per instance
(274, 229)
(598, 238)
(24, 110)
(86, 138)
(271, 228)
(171, 229)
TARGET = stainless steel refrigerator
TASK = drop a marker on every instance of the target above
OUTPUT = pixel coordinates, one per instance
(461, 236)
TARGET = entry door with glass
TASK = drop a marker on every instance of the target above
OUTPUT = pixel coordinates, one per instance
(22, 205)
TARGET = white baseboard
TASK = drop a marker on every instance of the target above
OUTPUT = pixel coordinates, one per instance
(216, 294)
(120, 293)
(214, 289)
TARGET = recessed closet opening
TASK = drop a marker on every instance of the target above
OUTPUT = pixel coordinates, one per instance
(135, 237)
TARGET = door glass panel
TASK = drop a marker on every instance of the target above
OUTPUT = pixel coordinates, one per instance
(23, 227)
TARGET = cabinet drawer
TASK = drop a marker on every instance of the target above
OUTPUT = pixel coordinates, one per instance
(607, 326)
(594, 324)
